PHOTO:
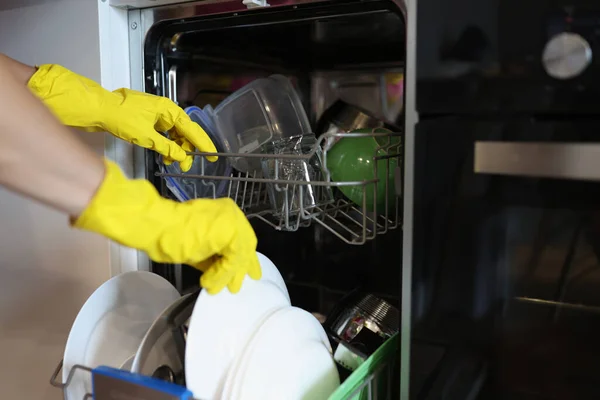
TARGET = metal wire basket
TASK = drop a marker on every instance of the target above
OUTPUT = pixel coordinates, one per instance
(288, 201)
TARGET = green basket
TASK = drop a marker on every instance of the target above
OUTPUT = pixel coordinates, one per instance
(375, 368)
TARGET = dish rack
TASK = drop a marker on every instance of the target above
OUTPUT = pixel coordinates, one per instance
(372, 380)
(353, 223)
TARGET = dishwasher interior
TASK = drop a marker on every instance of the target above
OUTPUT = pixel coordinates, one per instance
(343, 50)
(348, 50)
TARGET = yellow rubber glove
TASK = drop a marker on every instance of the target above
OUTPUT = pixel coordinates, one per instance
(211, 235)
(130, 115)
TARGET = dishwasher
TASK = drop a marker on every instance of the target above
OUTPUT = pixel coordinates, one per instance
(199, 53)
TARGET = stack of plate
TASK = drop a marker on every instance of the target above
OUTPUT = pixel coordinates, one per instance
(246, 346)
(255, 345)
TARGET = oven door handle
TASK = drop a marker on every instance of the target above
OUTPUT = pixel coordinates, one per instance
(575, 161)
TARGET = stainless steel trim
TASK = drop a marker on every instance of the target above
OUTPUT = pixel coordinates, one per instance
(411, 118)
(172, 86)
(558, 304)
(577, 161)
(128, 4)
(198, 8)
(136, 74)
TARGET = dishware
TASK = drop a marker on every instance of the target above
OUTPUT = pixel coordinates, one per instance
(188, 188)
(362, 322)
(289, 199)
(163, 345)
(345, 357)
(342, 116)
(271, 274)
(221, 325)
(164, 373)
(128, 363)
(352, 159)
(264, 110)
(304, 327)
(111, 324)
(288, 357)
(360, 309)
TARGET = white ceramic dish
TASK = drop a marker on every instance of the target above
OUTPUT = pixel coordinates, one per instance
(112, 323)
(222, 324)
(271, 273)
(289, 357)
(292, 316)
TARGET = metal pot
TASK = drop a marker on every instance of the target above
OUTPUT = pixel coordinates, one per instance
(345, 117)
(169, 328)
(362, 316)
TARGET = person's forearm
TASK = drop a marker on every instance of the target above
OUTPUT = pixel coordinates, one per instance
(21, 72)
(39, 157)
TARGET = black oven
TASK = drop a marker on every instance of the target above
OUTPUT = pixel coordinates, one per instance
(508, 56)
(506, 256)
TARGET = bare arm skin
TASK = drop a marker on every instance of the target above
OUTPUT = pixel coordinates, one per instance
(22, 72)
(39, 157)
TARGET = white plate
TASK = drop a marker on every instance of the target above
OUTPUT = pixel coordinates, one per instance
(112, 323)
(288, 357)
(306, 327)
(222, 324)
(271, 273)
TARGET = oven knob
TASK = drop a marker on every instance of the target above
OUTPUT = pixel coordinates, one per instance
(566, 55)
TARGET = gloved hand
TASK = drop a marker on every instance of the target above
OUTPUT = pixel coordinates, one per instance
(132, 116)
(211, 235)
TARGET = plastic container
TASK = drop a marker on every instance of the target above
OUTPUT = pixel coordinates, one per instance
(263, 111)
(187, 189)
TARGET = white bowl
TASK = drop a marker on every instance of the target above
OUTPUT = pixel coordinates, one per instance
(221, 326)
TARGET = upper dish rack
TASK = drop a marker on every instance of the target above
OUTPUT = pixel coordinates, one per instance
(297, 190)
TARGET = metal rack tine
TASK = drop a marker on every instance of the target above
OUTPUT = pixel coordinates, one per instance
(57, 370)
(62, 385)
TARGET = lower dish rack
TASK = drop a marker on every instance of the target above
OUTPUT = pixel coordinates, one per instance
(354, 194)
(374, 379)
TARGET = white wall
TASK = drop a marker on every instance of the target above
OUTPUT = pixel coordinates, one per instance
(47, 270)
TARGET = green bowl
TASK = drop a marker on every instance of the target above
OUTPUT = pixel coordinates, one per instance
(352, 159)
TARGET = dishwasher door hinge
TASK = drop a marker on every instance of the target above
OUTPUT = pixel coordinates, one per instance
(255, 3)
